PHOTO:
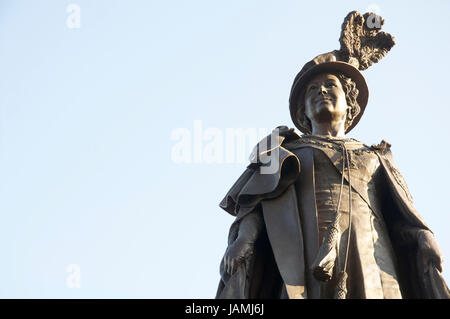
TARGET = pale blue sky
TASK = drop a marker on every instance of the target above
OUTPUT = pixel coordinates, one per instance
(86, 117)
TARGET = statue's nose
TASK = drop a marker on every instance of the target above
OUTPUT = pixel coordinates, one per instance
(322, 90)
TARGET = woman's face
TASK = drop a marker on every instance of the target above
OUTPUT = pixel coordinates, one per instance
(325, 99)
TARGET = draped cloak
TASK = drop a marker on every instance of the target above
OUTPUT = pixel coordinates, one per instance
(281, 264)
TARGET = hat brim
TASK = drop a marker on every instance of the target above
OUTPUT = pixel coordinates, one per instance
(302, 79)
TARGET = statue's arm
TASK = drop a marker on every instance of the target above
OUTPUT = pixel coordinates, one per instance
(250, 227)
(427, 246)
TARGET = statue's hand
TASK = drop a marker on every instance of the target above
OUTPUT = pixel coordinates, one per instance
(250, 228)
(237, 252)
(429, 250)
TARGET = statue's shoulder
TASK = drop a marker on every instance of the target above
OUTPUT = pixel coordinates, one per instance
(279, 136)
(384, 148)
(287, 134)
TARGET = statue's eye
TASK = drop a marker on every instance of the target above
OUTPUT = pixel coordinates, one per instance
(330, 84)
(312, 87)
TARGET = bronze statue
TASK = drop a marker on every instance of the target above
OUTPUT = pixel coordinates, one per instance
(335, 219)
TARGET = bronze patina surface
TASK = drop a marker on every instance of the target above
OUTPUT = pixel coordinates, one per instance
(335, 219)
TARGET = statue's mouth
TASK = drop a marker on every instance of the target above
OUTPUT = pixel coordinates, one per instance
(323, 99)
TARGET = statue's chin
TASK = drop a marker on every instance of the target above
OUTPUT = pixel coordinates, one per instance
(323, 113)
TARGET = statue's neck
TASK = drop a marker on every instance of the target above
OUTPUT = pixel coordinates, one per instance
(335, 129)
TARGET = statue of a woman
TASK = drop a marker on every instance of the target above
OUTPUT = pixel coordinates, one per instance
(335, 219)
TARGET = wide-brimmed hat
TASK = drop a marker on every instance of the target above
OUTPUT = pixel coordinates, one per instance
(323, 64)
